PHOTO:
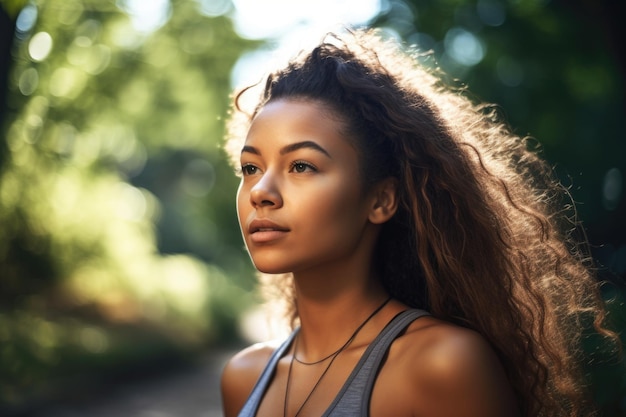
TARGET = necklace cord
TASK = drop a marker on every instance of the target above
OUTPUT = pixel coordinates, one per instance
(333, 355)
(319, 360)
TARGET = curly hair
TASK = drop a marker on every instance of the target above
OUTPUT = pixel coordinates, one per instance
(481, 237)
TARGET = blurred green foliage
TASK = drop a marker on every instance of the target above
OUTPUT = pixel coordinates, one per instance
(115, 239)
(13, 7)
(118, 239)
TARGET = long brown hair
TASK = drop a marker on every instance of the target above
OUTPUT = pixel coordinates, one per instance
(481, 236)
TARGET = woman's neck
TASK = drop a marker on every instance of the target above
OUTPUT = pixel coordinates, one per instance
(331, 310)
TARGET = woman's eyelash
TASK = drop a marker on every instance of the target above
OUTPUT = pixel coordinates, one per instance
(302, 166)
(297, 166)
(247, 169)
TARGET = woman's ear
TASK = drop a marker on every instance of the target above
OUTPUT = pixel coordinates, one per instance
(385, 200)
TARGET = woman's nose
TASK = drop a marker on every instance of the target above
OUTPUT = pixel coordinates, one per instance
(265, 193)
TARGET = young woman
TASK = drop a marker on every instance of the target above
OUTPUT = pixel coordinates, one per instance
(426, 265)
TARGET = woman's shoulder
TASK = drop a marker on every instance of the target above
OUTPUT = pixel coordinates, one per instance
(441, 362)
(252, 358)
(444, 345)
(241, 373)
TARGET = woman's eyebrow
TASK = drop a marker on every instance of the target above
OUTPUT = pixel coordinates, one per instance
(292, 147)
(250, 149)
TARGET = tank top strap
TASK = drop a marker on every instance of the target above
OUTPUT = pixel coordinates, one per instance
(354, 397)
(254, 400)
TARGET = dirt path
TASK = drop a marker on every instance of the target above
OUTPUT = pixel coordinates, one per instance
(189, 392)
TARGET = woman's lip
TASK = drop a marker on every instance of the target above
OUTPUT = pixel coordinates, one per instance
(264, 231)
(267, 235)
(264, 225)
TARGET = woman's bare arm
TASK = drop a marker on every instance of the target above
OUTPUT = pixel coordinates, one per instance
(459, 375)
(239, 376)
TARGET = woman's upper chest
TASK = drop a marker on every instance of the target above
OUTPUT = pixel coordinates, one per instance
(341, 387)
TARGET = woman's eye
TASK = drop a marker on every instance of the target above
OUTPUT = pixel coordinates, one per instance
(249, 169)
(301, 167)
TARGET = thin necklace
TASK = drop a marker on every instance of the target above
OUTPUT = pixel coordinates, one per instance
(333, 355)
(317, 361)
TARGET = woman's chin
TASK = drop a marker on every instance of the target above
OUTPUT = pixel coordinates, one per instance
(270, 269)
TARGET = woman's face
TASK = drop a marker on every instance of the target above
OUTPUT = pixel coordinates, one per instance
(301, 203)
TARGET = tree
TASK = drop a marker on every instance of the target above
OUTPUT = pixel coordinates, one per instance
(110, 137)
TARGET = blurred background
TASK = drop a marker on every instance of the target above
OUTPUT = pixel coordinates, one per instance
(120, 255)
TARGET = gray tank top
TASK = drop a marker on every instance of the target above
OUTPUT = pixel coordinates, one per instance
(354, 397)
